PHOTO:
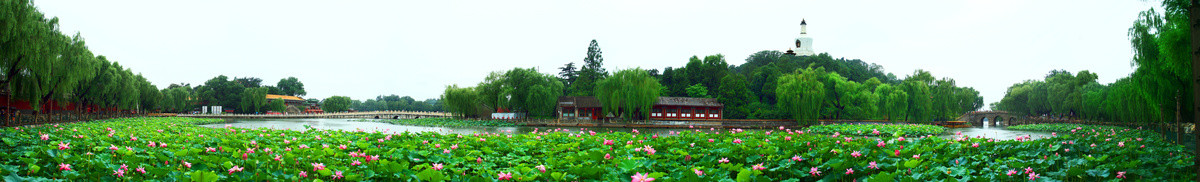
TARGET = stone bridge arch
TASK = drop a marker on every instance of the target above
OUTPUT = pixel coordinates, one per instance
(994, 118)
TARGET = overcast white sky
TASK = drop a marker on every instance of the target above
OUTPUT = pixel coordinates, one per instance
(366, 48)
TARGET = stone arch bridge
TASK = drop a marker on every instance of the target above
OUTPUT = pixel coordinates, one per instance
(994, 118)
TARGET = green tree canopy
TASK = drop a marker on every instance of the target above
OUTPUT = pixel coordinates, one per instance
(628, 93)
(801, 94)
(291, 86)
(336, 104)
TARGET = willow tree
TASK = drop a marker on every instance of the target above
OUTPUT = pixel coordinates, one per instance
(629, 93)
(893, 102)
(802, 94)
(253, 99)
(277, 105)
(462, 102)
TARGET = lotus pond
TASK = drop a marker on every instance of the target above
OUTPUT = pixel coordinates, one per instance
(176, 149)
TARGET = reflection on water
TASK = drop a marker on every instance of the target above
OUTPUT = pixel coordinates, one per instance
(995, 132)
(348, 125)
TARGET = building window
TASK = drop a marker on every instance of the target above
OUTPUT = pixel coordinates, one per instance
(657, 110)
(670, 110)
(714, 111)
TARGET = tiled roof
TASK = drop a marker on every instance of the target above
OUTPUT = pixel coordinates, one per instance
(284, 97)
(688, 101)
(578, 101)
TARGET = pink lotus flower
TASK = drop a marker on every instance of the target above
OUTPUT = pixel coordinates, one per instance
(45, 136)
(639, 177)
(710, 140)
(723, 160)
(454, 147)
(318, 166)
(437, 145)
(873, 165)
(210, 149)
(187, 164)
(337, 175)
(975, 145)
(64, 167)
(897, 153)
(608, 142)
(1120, 144)
(856, 154)
(504, 176)
(113, 147)
(606, 156)
(699, 172)
(141, 169)
(813, 171)
(901, 139)
(881, 144)
(1053, 134)
(119, 173)
(918, 156)
(738, 141)
(541, 168)
(342, 146)
(1093, 145)
(235, 168)
(758, 167)
(482, 139)
(1120, 174)
(849, 170)
(64, 146)
(437, 166)
(304, 174)
(479, 160)
(649, 150)
(797, 158)
(1033, 176)
(788, 138)
(874, 131)
(1011, 172)
(132, 138)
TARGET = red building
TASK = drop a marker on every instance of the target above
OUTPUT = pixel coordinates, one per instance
(667, 108)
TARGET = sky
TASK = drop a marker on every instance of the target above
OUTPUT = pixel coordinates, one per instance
(362, 49)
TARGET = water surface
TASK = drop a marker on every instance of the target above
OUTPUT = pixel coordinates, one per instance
(367, 126)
